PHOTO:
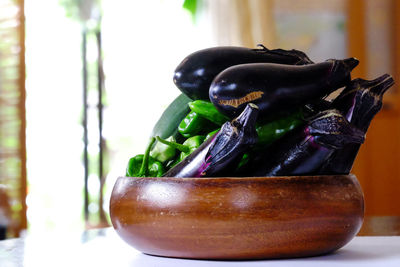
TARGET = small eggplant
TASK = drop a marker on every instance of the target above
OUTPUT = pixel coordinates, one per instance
(219, 154)
(360, 101)
(194, 74)
(277, 88)
(303, 150)
(312, 109)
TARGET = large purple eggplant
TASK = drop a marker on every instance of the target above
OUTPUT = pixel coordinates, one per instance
(277, 88)
(303, 150)
(194, 74)
(360, 101)
(221, 153)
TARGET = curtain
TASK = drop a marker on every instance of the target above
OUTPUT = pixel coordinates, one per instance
(12, 117)
(243, 23)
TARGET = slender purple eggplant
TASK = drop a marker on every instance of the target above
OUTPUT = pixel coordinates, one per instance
(303, 150)
(277, 88)
(314, 108)
(222, 152)
(360, 101)
(194, 74)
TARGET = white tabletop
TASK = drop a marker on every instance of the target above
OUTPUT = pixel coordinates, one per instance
(107, 249)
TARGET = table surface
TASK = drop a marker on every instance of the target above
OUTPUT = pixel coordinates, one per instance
(103, 247)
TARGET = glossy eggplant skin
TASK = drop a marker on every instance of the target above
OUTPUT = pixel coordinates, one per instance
(303, 150)
(360, 101)
(277, 88)
(220, 154)
(194, 74)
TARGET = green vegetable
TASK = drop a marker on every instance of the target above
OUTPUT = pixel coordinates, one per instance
(168, 123)
(271, 131)
(192, 124)
(186, 148)
(245, 159)
(208, 111)
(218, 154)
(145, 165)
(192, 143)
(173, 144)
(154, 169)
(163, 152)
(211, 134)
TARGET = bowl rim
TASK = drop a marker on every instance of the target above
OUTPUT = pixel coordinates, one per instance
(292, 177)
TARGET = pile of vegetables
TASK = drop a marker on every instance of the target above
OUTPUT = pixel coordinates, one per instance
(261, 112)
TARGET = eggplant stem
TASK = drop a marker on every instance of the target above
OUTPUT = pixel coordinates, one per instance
(263, 47)
(351, 62)
(288, 53)
(144, 169)
(175, 145)
(375, 88)
(382, 86)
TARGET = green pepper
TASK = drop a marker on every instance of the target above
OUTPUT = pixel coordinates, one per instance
(155, 168)
(192, 143)
(208, 111)
(271, 131)
(186, 148)
(163, 152)
(243, 161)
(192, 124)
(211, 134)
(145, 165)
(175, 145)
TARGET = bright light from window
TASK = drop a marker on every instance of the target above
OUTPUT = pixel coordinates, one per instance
(143, 42)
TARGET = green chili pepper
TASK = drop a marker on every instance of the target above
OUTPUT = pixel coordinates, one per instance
(163, 152)
(271, 131)
(186, 148)
(192, 143)
(175, 145)
(208, 111)
(243, 161)
(145, 165)
(155, 168)
(211, 134)
(192, 124)
(170, 164)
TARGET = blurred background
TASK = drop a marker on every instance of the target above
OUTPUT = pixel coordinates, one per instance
(82, 82)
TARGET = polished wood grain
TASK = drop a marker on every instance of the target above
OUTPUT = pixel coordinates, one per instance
(237, 218)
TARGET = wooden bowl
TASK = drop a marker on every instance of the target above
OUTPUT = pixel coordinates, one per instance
(237, 218)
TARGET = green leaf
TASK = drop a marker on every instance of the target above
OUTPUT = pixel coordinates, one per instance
(191, 6)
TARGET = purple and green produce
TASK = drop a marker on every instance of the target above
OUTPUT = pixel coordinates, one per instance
(261, 112)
